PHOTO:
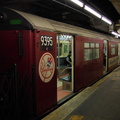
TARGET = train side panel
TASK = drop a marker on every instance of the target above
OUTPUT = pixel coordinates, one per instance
(16, 67)
(8, 49)
(45, 67)
(78, 72)
(88, 61)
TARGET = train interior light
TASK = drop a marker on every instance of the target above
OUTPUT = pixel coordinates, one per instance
(65, 37)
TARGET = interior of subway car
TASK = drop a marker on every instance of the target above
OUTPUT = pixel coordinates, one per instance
(64, 65)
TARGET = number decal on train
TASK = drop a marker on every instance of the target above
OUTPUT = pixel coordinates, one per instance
(46, 43)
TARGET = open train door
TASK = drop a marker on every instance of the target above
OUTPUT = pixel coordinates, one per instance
(65, 68)
(105, 57)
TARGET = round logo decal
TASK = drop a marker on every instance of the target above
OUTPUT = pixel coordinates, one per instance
(46, 67)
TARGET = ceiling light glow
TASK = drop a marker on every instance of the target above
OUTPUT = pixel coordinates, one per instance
(78, 2)
(107, 20)
(115, 33)
(92, 11)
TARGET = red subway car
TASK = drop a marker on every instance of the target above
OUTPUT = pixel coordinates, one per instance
(44, 62)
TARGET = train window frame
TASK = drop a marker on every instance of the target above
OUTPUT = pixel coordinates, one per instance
(59, 47)
(91, 51)
(113, 49)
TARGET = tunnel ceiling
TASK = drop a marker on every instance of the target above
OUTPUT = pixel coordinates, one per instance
(66, 11)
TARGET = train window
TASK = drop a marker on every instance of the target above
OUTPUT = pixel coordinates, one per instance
(97, 44)
(65, 48)
(97, 53)
(86, 45)
(87, 54)
(112, 45)
(92, 45)
(113, 49)
(91, 51)
(64, 44)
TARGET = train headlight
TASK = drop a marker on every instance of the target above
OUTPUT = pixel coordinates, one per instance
(3, 17)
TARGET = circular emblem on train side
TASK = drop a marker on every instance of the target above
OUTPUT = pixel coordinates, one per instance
(46, 67)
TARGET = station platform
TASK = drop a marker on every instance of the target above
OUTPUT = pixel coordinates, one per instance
(100, 101)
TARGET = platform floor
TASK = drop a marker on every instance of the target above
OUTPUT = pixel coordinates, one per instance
(100, 101)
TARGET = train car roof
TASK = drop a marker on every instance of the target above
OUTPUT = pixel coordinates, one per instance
(51, 25)
(37, 22)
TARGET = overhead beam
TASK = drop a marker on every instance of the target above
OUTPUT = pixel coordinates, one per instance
(15, 2)
(116, 4)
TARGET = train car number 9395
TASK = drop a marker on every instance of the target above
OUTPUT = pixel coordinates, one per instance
(46, 41)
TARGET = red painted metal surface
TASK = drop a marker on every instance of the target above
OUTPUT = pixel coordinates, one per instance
(46, 92)
(78, 72)
(8, 49)
(87, 72)
(9, 53)
(35, 96)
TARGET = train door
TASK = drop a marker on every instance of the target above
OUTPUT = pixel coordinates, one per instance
(118, 53)
(64, 65)
(45, 71)
(105, 56)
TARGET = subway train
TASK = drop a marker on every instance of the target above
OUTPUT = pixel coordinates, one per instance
(45, 62)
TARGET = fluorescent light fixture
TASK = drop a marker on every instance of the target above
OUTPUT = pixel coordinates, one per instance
(115, 33)
(78, 2)
(92, 11)
(107, 20)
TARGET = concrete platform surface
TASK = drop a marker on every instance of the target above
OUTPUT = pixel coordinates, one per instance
(100, 101)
